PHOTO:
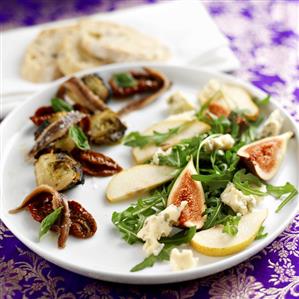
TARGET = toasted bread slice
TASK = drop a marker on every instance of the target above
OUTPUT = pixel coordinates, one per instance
(117, 43)
(40, 60)
(72, 57)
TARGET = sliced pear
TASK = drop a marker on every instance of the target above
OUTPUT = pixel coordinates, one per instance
(137, 180)
(264, 156)
(186, 189)
(214, 242)
(228, 98)
(191, 129)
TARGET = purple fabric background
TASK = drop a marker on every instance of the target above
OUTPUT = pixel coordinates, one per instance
(264, 36)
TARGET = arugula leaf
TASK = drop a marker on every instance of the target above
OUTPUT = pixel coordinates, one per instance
(135, 139)
(261, 234)
(124, 80)
(248, 183)
(59, 105)
(278, 191)
(79, 137)
(48, 222)
(263, 102)
(131, 220)
(231, 225)
(182, 237)
(290, 197)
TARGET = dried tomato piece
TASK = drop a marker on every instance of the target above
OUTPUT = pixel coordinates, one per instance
(96, 164)
(145, 82)
(41, 207)
(41, 114)
(83, 224)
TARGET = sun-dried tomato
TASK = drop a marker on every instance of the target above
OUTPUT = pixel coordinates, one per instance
(83, 224)
(96, 164)
(41, 114)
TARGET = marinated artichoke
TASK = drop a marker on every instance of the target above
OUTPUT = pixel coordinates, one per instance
(96, 84)
(58, 170)
(106, 127)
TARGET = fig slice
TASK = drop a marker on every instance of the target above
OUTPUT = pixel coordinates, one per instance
(263, 157)
(186, 189)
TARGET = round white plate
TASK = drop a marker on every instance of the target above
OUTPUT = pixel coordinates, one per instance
(106, 256)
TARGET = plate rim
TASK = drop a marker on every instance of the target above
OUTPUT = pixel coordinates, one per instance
(150, 278)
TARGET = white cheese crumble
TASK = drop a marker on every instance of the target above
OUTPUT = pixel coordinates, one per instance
(239, 202)
(223, 142)
(177, 103)
(157, 226)
(272, 125)
(159, 152)
(182, 260)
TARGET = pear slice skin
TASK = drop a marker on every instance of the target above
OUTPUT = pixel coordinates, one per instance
(193, 128)
(137, 180)
(186, 189)
(213, 242)
(264, 157)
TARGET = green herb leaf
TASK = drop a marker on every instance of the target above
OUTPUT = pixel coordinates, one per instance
(248, 183)
(261, 234)
(49, 221)
(289, 198)
(59, 105)
(278, 191)
(182, 237)
(135, 139)
(79, 137)
(131, 220)
(231, 225)
(263, 102)
(124, 80)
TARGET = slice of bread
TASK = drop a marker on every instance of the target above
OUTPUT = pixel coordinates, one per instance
(40, 60)
(118, 43)
(72, 57)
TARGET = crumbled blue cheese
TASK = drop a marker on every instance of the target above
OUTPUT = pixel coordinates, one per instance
(239, 202)
(177, 103)
(160, 152)
(272, 125)
(182, 260)
(222, 142)
(157, 226)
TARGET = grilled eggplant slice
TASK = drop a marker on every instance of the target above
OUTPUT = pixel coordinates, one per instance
(59, 171)
(96, 84)
(106, 127)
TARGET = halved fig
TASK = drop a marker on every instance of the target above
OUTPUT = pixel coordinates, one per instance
(59, 171)
(186, 189)
(137, 180)
(191, 129)
(263, 157)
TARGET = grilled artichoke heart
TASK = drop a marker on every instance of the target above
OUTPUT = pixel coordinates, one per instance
(58, 170)
(96, 84)
(106, 127)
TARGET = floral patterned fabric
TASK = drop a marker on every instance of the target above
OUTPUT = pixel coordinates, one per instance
(264, 35)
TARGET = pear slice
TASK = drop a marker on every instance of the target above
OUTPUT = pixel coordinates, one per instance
(191, 129)
(214, 242)
(264, 156)
(186, 189)
(137, 180)
(227, 98)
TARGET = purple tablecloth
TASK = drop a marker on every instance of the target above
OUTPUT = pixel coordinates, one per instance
(264, 36)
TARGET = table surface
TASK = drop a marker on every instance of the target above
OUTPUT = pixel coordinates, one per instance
(264, 35)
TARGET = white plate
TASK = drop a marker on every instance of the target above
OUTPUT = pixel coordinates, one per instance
(106, 256)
